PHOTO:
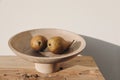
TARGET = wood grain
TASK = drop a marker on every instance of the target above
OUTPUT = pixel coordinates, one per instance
(78, 68)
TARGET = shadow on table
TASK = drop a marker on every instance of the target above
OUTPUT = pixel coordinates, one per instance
(106, 55)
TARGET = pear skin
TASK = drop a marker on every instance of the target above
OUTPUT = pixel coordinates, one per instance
(38, 43)
(57, 45)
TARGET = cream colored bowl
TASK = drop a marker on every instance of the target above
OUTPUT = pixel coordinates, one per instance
(45, 61)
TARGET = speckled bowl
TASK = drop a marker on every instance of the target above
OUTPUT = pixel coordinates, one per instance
(45, 61)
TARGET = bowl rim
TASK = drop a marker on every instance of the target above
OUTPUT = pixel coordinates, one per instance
(83, 44)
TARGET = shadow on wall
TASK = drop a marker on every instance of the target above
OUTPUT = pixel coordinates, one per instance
(106, 55)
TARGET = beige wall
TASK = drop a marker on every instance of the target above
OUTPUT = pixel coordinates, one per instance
(94, 18)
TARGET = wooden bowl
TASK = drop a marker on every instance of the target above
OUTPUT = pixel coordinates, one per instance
(45, 61)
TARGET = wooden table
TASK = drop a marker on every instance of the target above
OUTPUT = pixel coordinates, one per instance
(78, 68)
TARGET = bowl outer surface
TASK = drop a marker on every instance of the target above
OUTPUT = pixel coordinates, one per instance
(20, 45)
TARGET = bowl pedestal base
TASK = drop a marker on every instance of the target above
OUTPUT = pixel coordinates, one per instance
(45, 68)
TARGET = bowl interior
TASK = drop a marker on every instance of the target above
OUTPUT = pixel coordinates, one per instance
(20, 43)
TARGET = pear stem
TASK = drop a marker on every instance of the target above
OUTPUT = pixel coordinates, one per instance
(71, 43)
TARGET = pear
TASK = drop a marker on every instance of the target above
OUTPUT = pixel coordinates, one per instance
(38, 43)
(58, 45)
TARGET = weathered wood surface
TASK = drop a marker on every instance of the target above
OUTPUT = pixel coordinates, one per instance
(78, 68)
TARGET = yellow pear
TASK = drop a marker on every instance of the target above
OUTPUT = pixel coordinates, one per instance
(58, 45)
(38, 43)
